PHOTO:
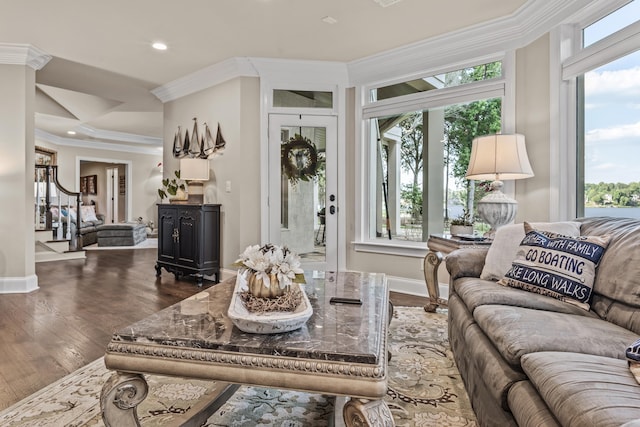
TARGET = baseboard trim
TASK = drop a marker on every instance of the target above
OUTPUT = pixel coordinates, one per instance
(18, 285)
(413, 287)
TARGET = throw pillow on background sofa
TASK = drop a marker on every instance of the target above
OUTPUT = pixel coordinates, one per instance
(88, 213)
(555, 265)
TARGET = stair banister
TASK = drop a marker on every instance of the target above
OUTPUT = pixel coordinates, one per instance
(51, 176)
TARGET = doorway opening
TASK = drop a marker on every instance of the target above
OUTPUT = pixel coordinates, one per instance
(104, 185)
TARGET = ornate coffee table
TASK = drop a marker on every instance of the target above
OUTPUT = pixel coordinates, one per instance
(341, 351)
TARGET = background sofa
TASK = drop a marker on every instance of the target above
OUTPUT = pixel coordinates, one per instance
(532, 360)
(88, 226)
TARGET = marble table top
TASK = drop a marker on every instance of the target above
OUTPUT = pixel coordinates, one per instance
(335, 332)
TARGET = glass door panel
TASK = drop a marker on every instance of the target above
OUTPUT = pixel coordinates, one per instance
(302, 195)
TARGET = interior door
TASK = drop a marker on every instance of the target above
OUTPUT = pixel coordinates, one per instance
(111, 215)
(303, 187)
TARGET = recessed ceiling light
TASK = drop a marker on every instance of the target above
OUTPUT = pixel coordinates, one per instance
(159, 46)
(71, 132)
(329, 20)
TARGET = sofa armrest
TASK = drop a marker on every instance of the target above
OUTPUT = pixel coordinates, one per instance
(466, 262)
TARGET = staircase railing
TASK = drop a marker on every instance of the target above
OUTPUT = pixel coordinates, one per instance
(56, 205)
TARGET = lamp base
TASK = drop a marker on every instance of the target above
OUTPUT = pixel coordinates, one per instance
(497, 209)
(196, 193)
(195, 199)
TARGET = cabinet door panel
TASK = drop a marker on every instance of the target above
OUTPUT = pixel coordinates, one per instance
(189, 232)
(166, 227)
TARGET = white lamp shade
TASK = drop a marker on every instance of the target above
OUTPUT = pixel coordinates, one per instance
(499, 157)
(194, 169)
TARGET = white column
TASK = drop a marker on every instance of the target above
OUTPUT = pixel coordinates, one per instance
(17, 159)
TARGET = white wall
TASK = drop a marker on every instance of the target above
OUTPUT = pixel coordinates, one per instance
(533, 121)
(234, 104)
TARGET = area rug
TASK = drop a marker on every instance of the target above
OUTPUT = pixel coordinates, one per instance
(145, 244)
(425, 389)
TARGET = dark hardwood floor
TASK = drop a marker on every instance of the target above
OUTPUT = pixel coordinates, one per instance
(67, 323)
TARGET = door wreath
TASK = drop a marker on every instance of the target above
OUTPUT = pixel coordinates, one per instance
(299, 159)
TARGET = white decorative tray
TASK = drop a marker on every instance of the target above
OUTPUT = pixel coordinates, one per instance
(267, 323)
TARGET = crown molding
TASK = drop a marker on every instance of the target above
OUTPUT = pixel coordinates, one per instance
(96, 145)
(529, 22)
(291, 72)
(205, 78)
(119, 136)
(23, 54)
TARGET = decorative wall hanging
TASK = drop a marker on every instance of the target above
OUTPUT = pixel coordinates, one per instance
(177, 144)
(195, 146)
(299, 158)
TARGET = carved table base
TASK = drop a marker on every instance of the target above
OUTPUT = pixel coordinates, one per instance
(439, 246)
(123, 392)
(370, 413)
(121, 395)
(432, 261)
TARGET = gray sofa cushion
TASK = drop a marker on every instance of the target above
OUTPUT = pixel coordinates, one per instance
(584, 390)
(496, 374)
(477, 292)
(516, 331)
(528, 408)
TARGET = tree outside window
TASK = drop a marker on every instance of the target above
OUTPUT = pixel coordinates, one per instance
(403, 188)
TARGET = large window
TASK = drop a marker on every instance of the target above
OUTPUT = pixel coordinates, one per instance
(609, 118)
(419, 147)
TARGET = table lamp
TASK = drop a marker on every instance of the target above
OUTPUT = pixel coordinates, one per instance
(498, 157)
(195, 172)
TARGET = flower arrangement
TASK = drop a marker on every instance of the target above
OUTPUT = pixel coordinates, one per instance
(272, 263)
(464, 219)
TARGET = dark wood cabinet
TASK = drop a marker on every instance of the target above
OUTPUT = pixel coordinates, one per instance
(189, 240)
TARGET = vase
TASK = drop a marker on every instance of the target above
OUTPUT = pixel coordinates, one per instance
(457, 230)
(180, 196)
(259, 290)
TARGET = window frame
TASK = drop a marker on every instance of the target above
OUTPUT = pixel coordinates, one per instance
(572, 61)
(503, 87)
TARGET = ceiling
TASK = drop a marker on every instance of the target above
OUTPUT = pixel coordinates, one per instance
(103, 68)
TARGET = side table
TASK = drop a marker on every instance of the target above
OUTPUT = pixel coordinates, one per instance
(439, 246)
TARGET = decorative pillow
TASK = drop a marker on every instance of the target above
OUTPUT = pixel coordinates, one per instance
(66, 212)
(88, 213)
(507, 240)
(559, 266)
(55, 214)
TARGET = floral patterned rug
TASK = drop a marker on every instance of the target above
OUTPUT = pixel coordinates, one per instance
(425, 389)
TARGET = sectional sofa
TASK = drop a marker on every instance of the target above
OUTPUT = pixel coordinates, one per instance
(529, 359)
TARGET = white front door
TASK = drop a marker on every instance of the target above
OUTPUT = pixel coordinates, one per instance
(303, 199)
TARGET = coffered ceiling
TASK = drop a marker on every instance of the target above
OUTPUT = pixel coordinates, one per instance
(103, 68)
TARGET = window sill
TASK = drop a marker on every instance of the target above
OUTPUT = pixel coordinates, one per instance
(386, 247)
